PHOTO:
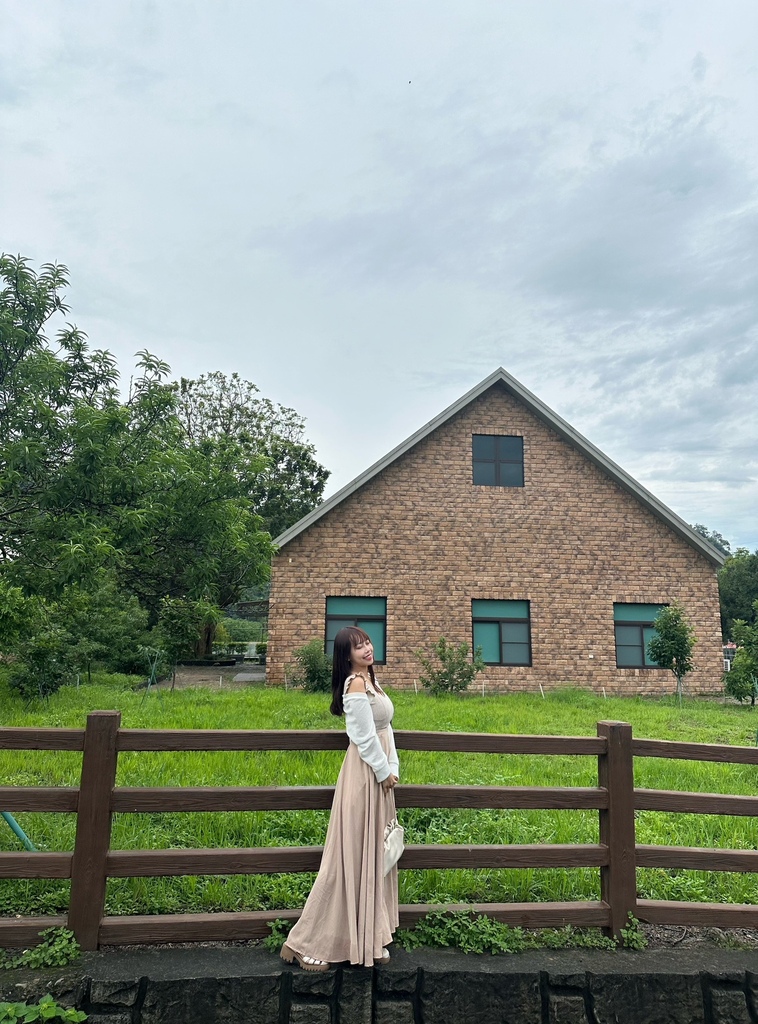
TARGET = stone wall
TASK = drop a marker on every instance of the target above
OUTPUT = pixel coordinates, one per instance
(241, 985)
(572, 542)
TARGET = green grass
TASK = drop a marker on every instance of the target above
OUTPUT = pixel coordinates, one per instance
(566, 712)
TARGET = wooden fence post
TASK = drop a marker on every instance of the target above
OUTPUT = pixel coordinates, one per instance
(618, 881)
(93, 827)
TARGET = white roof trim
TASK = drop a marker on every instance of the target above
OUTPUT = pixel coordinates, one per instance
(553, 420)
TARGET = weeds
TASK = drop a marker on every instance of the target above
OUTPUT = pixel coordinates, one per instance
(45, 1009)
(631, 936)
(476, 933)
(57, 948)
(280, 929)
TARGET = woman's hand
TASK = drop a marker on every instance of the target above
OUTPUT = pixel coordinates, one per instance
(389, 783)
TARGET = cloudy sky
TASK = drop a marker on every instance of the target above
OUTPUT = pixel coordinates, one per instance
(367, 208)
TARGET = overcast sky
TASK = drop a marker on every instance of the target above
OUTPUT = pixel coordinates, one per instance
(367, 208)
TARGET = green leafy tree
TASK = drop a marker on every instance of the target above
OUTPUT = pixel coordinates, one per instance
(714, 538)
(92, 484)
(672, 643)
(290, 482)
(184, 627)
(742, 681)
(738, 589)
(449, 669)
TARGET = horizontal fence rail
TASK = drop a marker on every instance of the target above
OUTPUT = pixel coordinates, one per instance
(616, 855)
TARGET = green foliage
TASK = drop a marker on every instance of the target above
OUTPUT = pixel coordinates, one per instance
(631, 936)
(449, 670)
(313, 667)
(742, 681)
(181, 625)
(57, 948)
(45, 1009)
(476, 933)
(713, 537)
(280, 929)
(738, 589)
(240, 631)
(104, 499)
(289, 482)
(672, 643)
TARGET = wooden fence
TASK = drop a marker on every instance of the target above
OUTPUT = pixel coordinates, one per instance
(615, 799)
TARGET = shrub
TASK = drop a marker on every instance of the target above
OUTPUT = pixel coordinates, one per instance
(741, 682)
(449, 669)
(313, 667)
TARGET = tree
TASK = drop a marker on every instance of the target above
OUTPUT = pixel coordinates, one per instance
(290, 482)
(94, 484)
(672, 643)
(742, 681)
(185, 628)
(714, 538)
(738, 589)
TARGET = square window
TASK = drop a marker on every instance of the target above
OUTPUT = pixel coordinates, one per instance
(368, 613)
(633, 628)
(497, 460)
(502, 630)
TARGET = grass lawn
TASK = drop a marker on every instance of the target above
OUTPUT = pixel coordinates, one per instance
(566, 712)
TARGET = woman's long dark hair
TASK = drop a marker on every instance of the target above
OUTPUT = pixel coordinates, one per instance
(344, 642)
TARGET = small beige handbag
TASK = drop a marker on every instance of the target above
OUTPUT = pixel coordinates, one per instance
(394, 836)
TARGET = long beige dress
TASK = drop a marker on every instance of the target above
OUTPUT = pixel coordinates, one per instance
(351, 912)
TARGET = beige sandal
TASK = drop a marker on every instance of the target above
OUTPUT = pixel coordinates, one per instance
(308, 963)
(384, 958)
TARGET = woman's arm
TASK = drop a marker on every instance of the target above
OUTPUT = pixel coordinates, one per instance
(359, 723)
(394, 761)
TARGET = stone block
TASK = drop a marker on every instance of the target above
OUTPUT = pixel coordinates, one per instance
(354, 997)
(313, 983)
(392, 982)
(567, 1009)
(647, 999)
(221, 1000)
(310, 1013)
(729, 1006)
(394, 1013)
(120, 993)
(492, 998)
(109, 1018)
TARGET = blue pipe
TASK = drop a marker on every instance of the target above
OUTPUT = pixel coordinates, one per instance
(19, 832)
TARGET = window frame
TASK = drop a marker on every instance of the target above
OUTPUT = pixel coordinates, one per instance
(500, 620)
(497, 461)
(640, 624)
(347, 620)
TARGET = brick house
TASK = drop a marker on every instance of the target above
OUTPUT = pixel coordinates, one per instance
(499, 525)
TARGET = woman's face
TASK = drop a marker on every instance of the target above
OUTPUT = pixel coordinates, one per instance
(362, 655)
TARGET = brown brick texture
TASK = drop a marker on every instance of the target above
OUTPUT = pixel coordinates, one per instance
(572, 542)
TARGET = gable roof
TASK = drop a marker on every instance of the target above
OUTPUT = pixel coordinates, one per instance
(553, 420)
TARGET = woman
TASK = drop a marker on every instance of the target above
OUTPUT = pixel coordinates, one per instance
(351, 912)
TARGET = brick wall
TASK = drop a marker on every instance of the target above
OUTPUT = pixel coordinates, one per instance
(571, 542)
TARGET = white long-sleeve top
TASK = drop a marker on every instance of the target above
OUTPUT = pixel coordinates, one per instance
(359, 722)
